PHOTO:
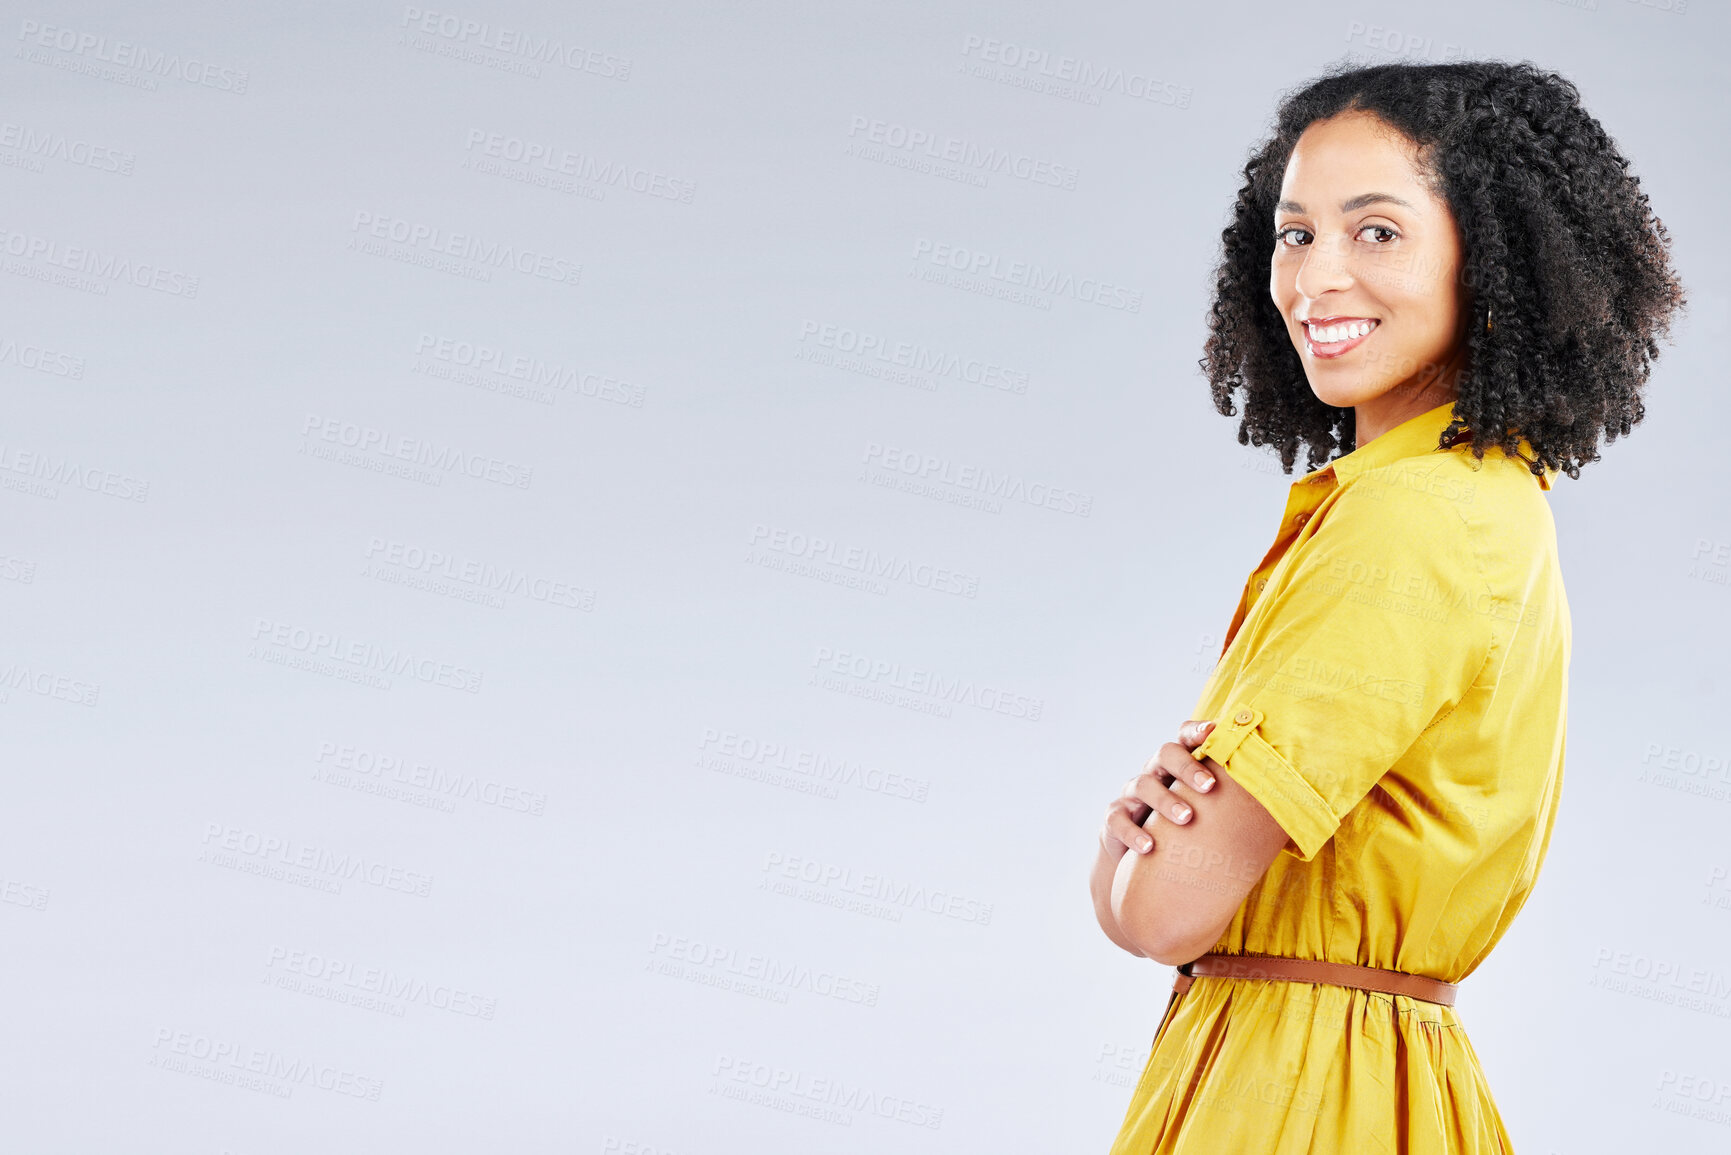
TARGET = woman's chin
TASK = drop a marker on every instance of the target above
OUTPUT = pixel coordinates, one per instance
(1343, 396)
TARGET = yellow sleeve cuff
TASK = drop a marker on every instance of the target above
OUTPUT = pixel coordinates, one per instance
(1237, 744)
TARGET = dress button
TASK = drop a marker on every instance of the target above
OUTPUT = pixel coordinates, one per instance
(1261, 584)
(1243, 717)
(1301, 518)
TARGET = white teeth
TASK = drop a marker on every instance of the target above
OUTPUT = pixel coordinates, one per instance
(1334, 334)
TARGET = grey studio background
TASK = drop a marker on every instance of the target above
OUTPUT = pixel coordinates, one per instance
(579, 579)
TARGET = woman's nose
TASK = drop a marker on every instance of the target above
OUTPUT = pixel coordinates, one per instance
(1326, 266)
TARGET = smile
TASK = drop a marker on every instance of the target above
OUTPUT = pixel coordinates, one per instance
(1338, 338)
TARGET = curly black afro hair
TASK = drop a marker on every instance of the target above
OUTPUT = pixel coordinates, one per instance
(1560, 248)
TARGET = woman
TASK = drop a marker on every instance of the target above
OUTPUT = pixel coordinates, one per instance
(1447, 271)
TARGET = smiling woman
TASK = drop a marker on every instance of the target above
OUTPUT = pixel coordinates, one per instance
(1378, 269)
(1447, 272)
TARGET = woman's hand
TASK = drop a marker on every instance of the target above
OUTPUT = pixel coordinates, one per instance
(1147, 793)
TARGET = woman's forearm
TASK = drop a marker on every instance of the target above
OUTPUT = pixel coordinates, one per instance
(1100, 886)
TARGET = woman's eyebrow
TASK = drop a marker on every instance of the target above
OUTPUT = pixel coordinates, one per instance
(1346, 206)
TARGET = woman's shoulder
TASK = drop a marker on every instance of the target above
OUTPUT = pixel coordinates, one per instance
(1491, 513)
(1507, 494)
(1500, 488)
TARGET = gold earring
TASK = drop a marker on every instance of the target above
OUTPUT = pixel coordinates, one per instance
(1488, 311)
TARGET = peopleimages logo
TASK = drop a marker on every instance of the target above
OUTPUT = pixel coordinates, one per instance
(481, 576)
(769, 756)
(865, 562)
(53, 471)
(1072, 77)
(928, 468)
(1024, 275)
(350, 977)
(884, 888)
(826, 1099)
(967, 155)
(882, 674)
(534, 371)
(14, 676)
(419, 236)
(380, 766)
(40, 360)
(914, 356)
(416, 450)
(320, 862)
(173, 1048)
(579, 166)
(88, 261)
(46, 144)
(123, 54)
(365, 655)
(768, 970)
(516, 42)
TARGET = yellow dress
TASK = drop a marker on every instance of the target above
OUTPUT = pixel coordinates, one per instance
(1393, 689)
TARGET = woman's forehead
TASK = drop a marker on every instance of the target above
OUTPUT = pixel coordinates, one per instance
(1351, 157)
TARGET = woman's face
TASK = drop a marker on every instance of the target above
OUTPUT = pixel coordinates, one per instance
(1370, 258)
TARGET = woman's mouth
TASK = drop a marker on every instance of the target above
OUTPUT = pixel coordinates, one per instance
(1337, 337)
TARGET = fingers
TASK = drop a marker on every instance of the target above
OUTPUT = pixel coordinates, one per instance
(1131, 797)
(1126, 830)
(1148, 795)
(1192, 732)
(1175, 759)
(1152, 789)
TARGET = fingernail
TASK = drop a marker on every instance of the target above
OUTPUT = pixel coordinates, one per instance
(1182, 811)
(1145, 845)
(1205, 781)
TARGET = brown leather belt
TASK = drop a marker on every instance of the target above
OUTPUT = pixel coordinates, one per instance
(1303, 970)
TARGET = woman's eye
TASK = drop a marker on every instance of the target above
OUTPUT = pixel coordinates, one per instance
(1379, 229)
(1280, 235)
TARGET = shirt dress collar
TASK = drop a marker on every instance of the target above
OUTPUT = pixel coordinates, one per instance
(1413, 437)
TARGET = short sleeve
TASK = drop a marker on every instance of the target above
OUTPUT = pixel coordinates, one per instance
(1368, 633)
